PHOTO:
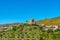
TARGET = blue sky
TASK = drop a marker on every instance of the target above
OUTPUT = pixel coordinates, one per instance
(21, 10)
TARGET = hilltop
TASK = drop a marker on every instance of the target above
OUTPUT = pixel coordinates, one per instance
(30, 30)
(46, 21)
(49, 21)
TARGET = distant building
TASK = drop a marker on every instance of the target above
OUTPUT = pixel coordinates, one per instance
(1, 28)
(32, 21)
(55, 27)
(10, 27)
(51, 27)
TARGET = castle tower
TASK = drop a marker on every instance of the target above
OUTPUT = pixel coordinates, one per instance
(31, 21)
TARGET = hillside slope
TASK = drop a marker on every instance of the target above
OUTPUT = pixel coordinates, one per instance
(50, 21)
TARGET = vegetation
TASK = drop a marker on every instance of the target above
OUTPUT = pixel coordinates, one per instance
(32, 33)
(18, 33)
(50, 21)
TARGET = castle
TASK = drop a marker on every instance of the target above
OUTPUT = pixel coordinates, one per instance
(32, 21)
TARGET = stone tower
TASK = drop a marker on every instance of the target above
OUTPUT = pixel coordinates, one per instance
(31, 21)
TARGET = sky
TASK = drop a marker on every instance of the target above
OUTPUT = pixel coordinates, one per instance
(21, 10)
